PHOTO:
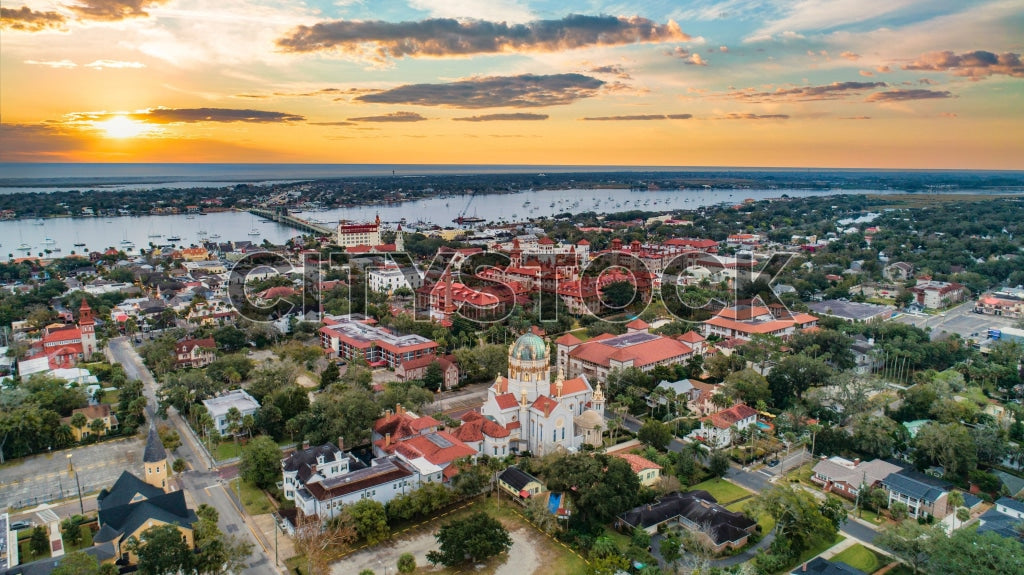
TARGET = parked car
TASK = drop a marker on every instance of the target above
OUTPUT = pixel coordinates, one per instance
(773, 463)
(19, 525)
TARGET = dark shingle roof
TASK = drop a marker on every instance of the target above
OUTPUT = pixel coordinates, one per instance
(901, 482)
(516, 477)
(819, 566)
(46, 566)
(1000, 523)
(125, 489)
(167, 508)
(303, 461)
(154, 448)
(697, 507)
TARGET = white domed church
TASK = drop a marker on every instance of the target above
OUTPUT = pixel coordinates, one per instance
(541, 416)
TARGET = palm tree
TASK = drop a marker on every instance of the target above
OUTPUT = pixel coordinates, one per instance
(234, 420)
(97, 426)
(79, 421)
(63, 436)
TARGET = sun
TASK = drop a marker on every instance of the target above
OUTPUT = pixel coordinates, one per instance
(122, 127)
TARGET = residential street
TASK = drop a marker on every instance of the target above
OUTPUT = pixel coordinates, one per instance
(202, 484)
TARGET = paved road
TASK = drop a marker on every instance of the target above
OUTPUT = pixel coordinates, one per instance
(201, 483)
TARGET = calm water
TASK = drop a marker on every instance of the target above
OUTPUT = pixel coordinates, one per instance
(101, 233)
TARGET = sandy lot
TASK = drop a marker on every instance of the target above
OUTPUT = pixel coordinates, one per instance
(522, 559)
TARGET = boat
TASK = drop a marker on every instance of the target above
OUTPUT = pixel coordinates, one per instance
(24, 247)
(173, 239)
(215, 237)
(254, 232)
(467, 220)
(48, 241)
(79, 244)
(38, 222)
(190, 217)
(155, 235)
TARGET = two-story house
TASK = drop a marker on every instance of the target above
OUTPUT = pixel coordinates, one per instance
(716, 430)
(195, 352)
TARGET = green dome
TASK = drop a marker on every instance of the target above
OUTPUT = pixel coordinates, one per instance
(529, 347)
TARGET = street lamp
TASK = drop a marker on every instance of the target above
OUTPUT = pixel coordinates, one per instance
(72, 471)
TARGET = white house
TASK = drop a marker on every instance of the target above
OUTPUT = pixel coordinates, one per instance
(716, 429)
(219, 406)
(323, 479)
(390, 278)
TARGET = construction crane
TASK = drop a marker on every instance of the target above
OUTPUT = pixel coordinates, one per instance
(462, 219)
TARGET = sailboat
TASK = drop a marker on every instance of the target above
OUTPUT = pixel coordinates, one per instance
(172, 237)
(253, 231)
(48, 241)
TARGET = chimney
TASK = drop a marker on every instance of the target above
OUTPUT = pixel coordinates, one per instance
(341, 443)
(856, 461)
(387, 440)
(804, 568)
(398, 409)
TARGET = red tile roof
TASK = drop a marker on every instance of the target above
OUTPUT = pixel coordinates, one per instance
(440, 448)
(506, 400)
(512, 425)
(476, 426)
(545, 405)
(569, 387)
(546, 241)
(638, 324)
(691, 337)
(568, 340)
(642, 354)
(636, 462)
(727, 418)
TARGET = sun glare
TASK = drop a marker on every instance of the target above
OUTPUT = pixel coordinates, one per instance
(122, 127)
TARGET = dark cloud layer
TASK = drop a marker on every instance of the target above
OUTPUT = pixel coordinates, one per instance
(25, 19)
(523, 91)
(392, 117)
(639, 117)
(112, 10)
(440, 37)
(905, 95)
(833, 91)
(977, 64)
(514, 117)
(224, 115)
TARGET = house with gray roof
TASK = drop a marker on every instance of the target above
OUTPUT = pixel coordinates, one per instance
(1014, 485)
(219, 406)
(819, 566)
(922, 495)
(1004, 519)
(697, 511)
(846, 478)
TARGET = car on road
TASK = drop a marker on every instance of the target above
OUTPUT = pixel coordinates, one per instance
(18, 525)
(773, 463)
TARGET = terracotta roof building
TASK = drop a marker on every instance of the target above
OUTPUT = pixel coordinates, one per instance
(638, 348)
(344, 337)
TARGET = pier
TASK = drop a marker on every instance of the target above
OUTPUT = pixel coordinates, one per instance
(283, 217)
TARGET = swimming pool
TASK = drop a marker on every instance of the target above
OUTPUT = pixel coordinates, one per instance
(763, 426)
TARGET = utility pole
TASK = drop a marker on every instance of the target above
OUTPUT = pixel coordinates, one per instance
(72, 471)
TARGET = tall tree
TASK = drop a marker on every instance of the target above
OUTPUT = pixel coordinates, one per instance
(261, 462)
(370, 520)
(600, 486)
(655, 433)
(161, 551)
(475, 538)
(794, 375)
(800, 519)
(909, 541)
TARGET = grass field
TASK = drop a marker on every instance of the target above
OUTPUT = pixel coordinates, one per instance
(766, 521)
(820, 548)
(860, 557)
(253, 499)
(722, 490)
(227, 450)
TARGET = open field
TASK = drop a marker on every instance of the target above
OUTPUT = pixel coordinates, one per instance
(722, 490)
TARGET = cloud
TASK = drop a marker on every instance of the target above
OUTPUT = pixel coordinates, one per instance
(615, 69)
(692, 58)
(883, 69)
(638, 117)
(866, 73)
(446, 37)
(392, 117)
(905, 95)
(522, 91)
(25, 19)
(856, 118)
(101, 64)
(748, 116)
(949, 115)
(833, 91)
(112, 10)
(339, 123)
(67, 64)
(851, 56)
(517, 116)
(723, 49)
(975, 65)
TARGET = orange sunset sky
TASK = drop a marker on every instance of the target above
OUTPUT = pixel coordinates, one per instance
(826, 83)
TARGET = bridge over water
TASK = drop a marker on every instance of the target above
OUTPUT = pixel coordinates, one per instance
(283, 217)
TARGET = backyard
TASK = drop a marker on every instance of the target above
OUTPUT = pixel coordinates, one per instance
(723, 491)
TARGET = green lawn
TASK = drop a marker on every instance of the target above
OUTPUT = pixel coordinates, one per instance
(722, 490)
(227, 450)
(901, 569)
(766, 521)
(253, 499)
(860, 557)
(820, 548)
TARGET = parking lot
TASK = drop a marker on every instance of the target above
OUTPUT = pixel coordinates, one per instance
(960, 320)
(43, 478)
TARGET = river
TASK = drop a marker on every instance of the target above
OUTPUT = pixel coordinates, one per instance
(99, 233)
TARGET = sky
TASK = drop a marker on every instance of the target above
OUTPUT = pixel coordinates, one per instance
(786, 83)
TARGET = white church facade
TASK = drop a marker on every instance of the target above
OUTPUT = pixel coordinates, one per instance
(541, 416)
